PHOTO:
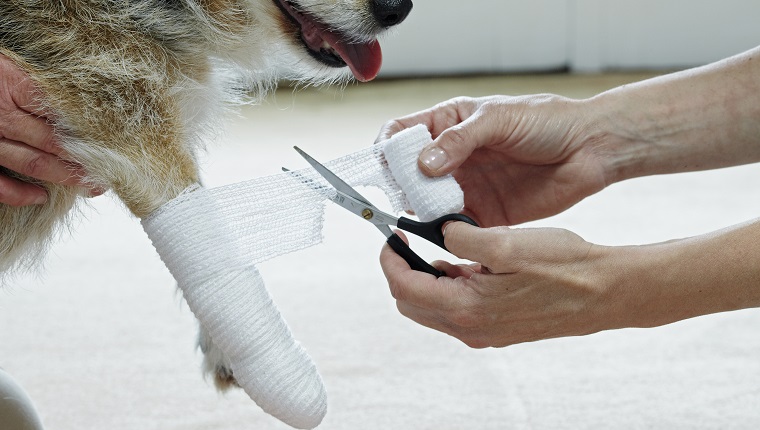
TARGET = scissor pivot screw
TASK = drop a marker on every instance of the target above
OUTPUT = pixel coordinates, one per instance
(367, 214)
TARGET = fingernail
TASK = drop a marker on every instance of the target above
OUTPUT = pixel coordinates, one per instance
(434, 158)
(445, 226)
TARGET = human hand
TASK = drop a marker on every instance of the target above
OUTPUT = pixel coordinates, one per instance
(530, 284)
(28, 145)
(533, 284)
(517, 159)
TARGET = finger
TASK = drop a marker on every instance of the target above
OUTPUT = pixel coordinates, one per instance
(456, 270)
(418, 288)
(488, 246)
(22, 89)
(392, 127)
(455, 145)
(26, 95)
(437, 118)
(17, 193)
(37, 164)
(30, 129)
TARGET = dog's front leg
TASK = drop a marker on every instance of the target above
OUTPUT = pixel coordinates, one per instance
(226, 293)
(151, 168)
(224, 290)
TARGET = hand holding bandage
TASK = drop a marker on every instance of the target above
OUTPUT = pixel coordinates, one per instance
(211, 240)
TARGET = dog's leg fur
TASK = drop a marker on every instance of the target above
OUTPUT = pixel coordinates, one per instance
(121, 113)
(121, 105)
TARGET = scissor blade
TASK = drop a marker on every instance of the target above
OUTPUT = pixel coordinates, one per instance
(354, 202)
(332, 178)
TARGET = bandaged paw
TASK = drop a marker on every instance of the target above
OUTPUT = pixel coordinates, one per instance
(211, 240)
(226, 293)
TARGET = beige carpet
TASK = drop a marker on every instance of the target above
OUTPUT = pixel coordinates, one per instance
(101, 340)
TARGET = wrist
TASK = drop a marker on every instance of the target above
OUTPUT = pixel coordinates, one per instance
(623, 135)
(697, 119)
(663, 283)
(645, 286)
(618, 279)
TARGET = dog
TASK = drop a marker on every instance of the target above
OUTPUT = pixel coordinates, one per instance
(136, 87)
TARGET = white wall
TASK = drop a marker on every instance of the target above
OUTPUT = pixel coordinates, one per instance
(491, 36)
(447, 36)
(660, 33)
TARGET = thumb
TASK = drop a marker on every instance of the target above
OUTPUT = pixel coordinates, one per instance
(481, 245)
(455, 144)
(448, 151)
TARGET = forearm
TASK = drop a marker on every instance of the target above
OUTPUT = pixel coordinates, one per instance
(699, 119)
(662, 283)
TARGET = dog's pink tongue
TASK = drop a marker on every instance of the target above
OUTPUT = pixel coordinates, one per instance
(364, 59)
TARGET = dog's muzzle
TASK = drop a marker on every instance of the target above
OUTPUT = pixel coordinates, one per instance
(334, 48)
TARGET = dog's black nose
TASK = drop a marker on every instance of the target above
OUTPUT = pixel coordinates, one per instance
(391, 12)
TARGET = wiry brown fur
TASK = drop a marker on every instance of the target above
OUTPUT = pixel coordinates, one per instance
(137, 86)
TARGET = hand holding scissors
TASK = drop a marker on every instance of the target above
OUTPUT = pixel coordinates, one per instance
(350, 199)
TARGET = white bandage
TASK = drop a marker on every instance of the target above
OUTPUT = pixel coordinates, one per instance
(428, 197)
(211, 240)
(226, 293)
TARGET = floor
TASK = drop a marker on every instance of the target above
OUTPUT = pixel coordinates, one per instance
(101, 340)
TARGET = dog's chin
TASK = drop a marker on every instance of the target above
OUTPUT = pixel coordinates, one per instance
(330, 48)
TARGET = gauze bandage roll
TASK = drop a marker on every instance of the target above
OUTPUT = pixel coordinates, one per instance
(429, 198)
(211, 240)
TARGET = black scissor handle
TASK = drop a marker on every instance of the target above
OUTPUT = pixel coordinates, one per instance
(432, 231)
(414, 260)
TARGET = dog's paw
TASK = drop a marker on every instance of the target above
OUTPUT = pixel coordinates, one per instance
(215, 364)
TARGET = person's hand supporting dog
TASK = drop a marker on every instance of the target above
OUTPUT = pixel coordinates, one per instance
(524, 158)
(28, 145)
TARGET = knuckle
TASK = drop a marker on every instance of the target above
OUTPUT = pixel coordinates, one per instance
(12, 198)
(475, 341)
(7, 198)
(403, 309)
(450, 104)
(36, 166)
(456, 136)
(467, 317)
(397, 290)
(388, 129)
(48, 142)
(452, 234)
(471, 311)
(461, 318)
(499, 247)
(496, 103)
(462, 101)
(473, 338)
(5, 124)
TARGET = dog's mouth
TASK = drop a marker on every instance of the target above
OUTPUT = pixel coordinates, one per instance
(333, 48)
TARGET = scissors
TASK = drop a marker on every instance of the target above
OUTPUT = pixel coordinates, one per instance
(350, 199)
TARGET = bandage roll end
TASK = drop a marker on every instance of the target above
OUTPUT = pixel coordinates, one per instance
(428, 197)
